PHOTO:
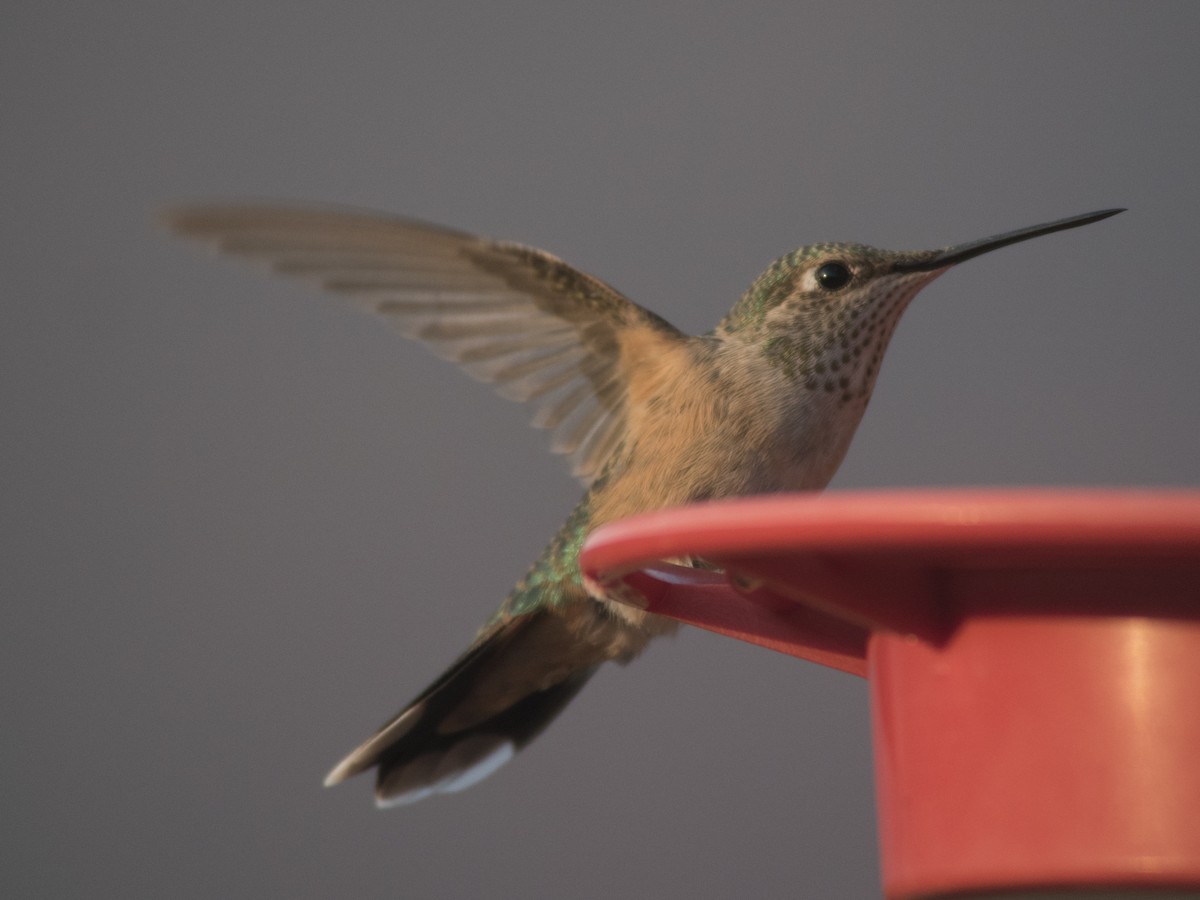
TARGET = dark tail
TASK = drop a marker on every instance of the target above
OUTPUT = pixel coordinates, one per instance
(495, 699)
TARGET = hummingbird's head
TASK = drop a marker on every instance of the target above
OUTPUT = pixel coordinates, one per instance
(824, 314)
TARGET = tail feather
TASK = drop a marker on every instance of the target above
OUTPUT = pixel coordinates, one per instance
(491, 702)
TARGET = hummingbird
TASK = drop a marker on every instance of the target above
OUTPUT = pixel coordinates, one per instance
(648, 416)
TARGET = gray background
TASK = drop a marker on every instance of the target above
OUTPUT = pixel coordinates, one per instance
(244, 524)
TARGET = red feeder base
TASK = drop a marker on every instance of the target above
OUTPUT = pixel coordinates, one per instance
(1034, 660)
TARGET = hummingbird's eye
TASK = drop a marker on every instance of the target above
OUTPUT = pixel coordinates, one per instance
(833, 276)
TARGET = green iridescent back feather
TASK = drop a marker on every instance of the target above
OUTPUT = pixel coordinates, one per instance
(555, 578)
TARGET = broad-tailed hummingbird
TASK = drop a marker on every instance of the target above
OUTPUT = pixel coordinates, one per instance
(649, 416)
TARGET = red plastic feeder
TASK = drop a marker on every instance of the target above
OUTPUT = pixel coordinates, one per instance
(1034, 659)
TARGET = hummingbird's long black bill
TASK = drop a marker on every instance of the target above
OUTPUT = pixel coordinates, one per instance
(953, 255)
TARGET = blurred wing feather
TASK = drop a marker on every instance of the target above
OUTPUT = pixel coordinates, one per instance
(540, 330)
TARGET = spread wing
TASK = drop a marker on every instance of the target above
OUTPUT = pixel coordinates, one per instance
(538, 329)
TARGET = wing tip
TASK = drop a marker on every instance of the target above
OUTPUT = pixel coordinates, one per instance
(205, 221)
(336, 775)
(367, 754)
(354, 763)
